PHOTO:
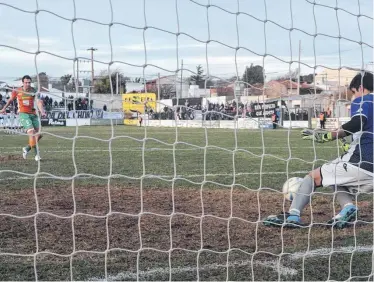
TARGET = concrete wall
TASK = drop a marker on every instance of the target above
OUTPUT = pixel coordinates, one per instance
(112, 102)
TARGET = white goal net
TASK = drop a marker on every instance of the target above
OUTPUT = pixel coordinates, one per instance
(170, 129)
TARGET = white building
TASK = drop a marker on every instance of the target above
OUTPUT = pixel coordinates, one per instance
(329, 79)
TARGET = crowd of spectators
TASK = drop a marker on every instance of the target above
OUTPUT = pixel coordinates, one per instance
(80, 103)
(50, 103)
(221, 111)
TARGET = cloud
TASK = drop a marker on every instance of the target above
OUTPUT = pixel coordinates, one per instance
(158, 47)
(34, 41)
(29, 41)
(219, 65)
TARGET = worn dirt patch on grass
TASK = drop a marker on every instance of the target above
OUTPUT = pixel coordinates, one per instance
(154, 223)
(7, 158)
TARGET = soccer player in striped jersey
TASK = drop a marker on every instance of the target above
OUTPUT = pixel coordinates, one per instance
(25, 96)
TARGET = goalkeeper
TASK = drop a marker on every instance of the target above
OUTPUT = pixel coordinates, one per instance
(25, 96)
(348, 174)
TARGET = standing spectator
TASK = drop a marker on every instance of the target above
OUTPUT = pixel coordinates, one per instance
(328, 112)
(2, 102)
(322, 119)
(140, 118)
(274, 119)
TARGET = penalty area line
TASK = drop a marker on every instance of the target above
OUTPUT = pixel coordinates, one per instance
(273, 265)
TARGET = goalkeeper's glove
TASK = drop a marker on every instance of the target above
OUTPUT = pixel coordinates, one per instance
(344, 145)
(320, 137)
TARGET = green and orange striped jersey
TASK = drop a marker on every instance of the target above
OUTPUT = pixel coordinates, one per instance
(25, 99)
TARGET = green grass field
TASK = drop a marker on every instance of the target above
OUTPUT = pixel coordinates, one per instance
(128, 203)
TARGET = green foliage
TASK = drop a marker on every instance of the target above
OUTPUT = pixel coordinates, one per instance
(253, 74)
(200, 79)
(43, 80)
(102, 82)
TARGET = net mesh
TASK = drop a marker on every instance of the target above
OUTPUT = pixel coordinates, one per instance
(156, 203)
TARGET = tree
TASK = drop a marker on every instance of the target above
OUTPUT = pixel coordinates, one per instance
(66, 83)
(70, 86)
(291, 75)
(167, 91)
(102, 84)
(309, 78)
(43, 80)
(65, 79)
(200, 79)
(253, 74)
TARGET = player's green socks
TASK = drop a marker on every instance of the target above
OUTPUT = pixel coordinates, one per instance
(302, 197)
(28, 148)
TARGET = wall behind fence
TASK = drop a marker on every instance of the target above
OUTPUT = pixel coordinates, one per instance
(11, 121)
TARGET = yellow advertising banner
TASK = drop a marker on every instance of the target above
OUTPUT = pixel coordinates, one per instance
(131, 122)
(137, 102)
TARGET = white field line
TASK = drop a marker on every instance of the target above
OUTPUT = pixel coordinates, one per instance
(153, 131)
(273, 265)
(16, 150)
(328, 251)
(149, 176)
(123, 276)
(177, 149)
(140, 147)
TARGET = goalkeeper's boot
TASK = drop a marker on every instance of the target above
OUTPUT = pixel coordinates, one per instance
(307, 132)
(24, 152)
(284, 219)
(346, 215)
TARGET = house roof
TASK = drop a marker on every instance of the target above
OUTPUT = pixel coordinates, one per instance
(289, 84)
(310, 86)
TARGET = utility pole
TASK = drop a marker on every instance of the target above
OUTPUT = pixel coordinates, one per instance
(298, 74)
(117, 86)
(326, 81)
(181, 78)
(77, 76)
(158, 87)
(92, 65)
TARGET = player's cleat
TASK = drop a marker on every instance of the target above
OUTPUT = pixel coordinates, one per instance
(342, 219)
(24, 152)
(283, 219)
(37, 158)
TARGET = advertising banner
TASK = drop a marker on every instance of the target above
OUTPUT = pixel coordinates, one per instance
(138, 102)
(187, 101)
(265, 109)
(53, 122)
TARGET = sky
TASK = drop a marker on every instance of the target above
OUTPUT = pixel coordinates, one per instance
(224, 38)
